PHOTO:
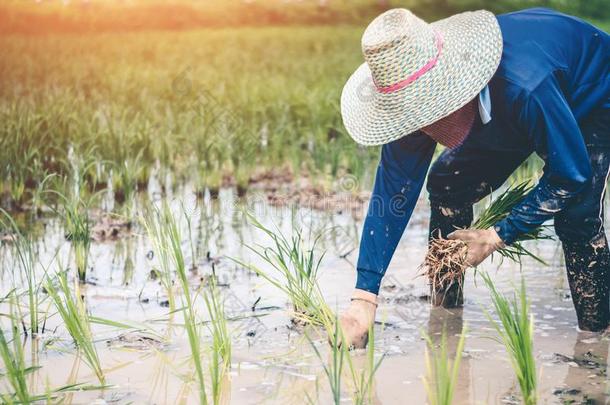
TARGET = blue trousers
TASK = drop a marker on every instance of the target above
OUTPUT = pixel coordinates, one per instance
(460, 177)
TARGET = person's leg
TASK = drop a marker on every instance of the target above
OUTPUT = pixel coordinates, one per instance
(581, 231)
(463, 176)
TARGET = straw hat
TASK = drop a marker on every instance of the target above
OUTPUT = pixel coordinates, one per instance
(417, 73)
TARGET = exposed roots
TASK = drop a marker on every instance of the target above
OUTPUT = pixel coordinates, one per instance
(445, 264)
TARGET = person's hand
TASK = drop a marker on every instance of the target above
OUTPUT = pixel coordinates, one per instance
(481, 243)
(356, 321)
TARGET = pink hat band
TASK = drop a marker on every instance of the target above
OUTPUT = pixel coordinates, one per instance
(418, 73)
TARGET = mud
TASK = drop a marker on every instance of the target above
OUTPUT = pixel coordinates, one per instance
(282, 188)
(108, 227)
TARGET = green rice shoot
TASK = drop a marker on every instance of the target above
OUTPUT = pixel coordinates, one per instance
(293, 269)
(333, 368)
(72, 309)
(364, 379)
(442, 371)
(27, 259)
(516, 332)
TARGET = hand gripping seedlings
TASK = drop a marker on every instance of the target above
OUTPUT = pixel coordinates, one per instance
(445, 262)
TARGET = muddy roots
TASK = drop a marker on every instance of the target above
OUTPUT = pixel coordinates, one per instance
(444, 265)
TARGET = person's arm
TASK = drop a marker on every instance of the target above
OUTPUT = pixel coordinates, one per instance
(400, 176)
(548, 119)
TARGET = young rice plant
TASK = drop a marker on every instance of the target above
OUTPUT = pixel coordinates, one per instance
(442, 372)
(516, 331)
(293, 270)
(73, 312)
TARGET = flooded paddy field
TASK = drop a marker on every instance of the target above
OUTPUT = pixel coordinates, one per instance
(140, 162)
(147, 360)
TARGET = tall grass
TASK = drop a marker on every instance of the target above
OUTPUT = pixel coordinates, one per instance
(516, 331)
(73, 312)
(441, 371)
(293, 269)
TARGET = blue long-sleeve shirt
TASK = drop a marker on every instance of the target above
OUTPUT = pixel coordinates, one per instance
(554, 71)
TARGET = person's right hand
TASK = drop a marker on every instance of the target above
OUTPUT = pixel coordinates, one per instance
(356, 321)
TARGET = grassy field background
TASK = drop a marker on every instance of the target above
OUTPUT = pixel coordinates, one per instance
(114, 89)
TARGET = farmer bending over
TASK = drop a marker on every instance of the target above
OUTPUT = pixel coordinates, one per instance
(492, 90)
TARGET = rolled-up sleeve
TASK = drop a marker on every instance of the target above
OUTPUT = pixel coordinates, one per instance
(400, 176)
(547, 117)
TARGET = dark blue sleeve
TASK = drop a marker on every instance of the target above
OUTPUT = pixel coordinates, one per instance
(548, 119)
(400, 176)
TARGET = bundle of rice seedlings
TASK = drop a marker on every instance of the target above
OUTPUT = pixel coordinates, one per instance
(445, 262)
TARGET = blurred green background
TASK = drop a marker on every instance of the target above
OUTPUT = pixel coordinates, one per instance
(111, 15)
(210, 92)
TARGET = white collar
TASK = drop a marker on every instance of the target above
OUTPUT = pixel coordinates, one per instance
(485, 105)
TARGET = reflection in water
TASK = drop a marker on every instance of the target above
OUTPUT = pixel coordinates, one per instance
(585, 380)
(451, 321)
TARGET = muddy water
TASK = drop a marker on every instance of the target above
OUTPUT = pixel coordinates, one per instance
(272, 363)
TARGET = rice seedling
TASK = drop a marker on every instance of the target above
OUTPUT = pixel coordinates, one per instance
(445, 262)
(16, 370)
(126, 178)
(73, 312)
(333, 369)
(364, 379)
(441, 371)
(293, 270)
(163, 231)
(189, 226)
(14, 361)
(78, 232)
(74, 212)
(27, 259)
(220, 350)
(516, 332)
(155, 224)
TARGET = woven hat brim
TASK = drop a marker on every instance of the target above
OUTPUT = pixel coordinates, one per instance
(472, 48)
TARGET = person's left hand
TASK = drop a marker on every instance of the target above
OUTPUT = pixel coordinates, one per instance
(481, 243)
